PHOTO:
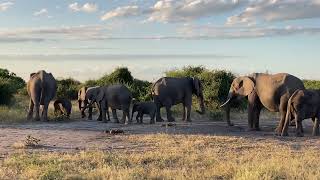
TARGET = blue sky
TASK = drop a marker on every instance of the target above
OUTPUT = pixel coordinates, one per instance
(85, 39)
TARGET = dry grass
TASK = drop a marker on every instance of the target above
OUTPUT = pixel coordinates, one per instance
(171, 157)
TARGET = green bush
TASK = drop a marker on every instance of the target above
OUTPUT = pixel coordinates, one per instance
(68, 88)
(6, 91)
(120, 75)
(312, 84)
(216, 84)
(10, 84)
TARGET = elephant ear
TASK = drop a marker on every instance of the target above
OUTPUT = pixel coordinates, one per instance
(82, 93)
(100, 94)
(247, 86)
(197, 85)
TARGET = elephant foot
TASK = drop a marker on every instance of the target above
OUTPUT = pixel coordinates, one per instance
(284, 134)
(189, 120)
(253, 129)
(128, 122)
(152, 122)
(278, 131)
(315, 134)
(230, 124)
(116, 121)
(299, 134)
(37, 119)
(160, 120)
(90, 118)
(171, 119)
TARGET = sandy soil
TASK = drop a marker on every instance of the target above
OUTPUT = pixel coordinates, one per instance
(80, 135)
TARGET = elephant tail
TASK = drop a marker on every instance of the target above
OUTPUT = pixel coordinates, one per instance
(42, 78)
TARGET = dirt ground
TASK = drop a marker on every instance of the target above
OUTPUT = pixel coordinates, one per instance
(77, 135)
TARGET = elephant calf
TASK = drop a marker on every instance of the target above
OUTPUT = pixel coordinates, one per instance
(62, 107)
(303, 104)
(143, 108)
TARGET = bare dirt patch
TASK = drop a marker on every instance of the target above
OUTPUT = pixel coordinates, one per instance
(78, 135)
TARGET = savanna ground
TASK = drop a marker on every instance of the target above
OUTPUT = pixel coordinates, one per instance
(203, 149)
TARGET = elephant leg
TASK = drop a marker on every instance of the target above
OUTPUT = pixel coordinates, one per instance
(184, 116)
(100, 112)
(126, 114)
(123, 119)
(141, 118)
(45, 111)
(188, 112)
(283, 113)
(37, 109)
(30, 112)
(315, 131)
(169, 114)
(253, 112)
(90, 113)
(299, 129)
(158, 112)
(152, 116)
(114, 115)
(103, 112)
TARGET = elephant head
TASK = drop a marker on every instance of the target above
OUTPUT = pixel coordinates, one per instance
(94, 94)
(240, 87)
(198, 90)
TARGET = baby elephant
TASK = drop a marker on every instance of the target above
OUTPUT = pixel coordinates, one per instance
(144, 108)
(303, 104)
(62, 107)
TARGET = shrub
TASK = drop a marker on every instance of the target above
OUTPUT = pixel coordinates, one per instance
(312, 84)
(10, 84)
(120, 75)
(141, 90)
(216, 84)
(6, 91)
(68, 88)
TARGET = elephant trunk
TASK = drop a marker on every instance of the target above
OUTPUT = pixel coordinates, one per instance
(80, 104)
(227, 107)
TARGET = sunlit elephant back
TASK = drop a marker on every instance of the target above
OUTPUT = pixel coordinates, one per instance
(169, 91)
(270, 91)
(42, 89)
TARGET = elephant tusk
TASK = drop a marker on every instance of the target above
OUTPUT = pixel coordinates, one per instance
(224, 104)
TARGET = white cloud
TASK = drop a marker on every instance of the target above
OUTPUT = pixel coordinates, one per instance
(93, 32)
(122, 12)
(87, 7)
(41, 12)
(276, 10)
(223, 32)
(177, 10)
(186, 10)
(5, 6)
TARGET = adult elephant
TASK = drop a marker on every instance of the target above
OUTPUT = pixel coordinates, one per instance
(114, 96)
(271, 91)
(168, 91)
(41, 88)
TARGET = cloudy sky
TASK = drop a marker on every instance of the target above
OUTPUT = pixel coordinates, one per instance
(85, 39)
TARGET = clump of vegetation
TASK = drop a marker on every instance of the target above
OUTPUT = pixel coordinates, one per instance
(10, 84)
(216, 84)
(68, 88)
(312, 84)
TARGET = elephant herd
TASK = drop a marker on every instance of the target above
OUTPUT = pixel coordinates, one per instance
(283, 93)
